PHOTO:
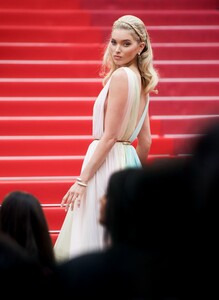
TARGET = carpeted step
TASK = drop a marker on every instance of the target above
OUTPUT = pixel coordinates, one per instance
(69, 126)
(162, 125)
(185, 51)
(49, 17)
(109, 4)
(91, 69)
(44, 145)
(54, 236)
(46, 106)
(100, 17)
(24, 167)
(148, 4)
(49, 192)
(184, 106)
(63, 146)
(54, 216)
(27, 168)
(158, 17)
(178, 34)
(45, 125)
(51, 69)
(41, 4)
(53, 51)
(50, 87)
(52, 34)
(89, 87)
(76, 106)
(79, 51)
(99, 34)
(187, 69)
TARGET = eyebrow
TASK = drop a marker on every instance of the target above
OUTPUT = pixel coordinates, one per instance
(126, 40)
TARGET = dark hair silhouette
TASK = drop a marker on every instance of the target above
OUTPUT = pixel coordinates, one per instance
(205, 165)
(22, 218)
(149, 207)
(17, 269)
(119, 209)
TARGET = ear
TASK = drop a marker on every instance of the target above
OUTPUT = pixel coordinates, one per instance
(141, 46)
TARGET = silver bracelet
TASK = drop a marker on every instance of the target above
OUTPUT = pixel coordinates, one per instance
(81, 183)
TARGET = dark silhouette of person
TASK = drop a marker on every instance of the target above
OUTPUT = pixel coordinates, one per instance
(20, 275)
(145, 226)
(23, 219)
(161, 224)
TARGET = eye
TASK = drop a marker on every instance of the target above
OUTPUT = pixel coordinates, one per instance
(113, 42)
(127, 44)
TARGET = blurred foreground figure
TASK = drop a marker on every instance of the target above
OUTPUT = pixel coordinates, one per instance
(23, 219)
(161, 225)
(20, 275)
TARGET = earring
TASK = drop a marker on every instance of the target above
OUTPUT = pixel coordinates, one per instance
(139, 53)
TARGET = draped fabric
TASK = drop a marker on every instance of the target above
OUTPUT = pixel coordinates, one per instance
(81, 231)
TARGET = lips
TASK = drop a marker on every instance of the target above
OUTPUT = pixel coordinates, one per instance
(116, 57)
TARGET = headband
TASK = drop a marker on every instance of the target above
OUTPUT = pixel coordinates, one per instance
(127, 23)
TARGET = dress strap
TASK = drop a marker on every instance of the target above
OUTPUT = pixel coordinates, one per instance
(140, 123)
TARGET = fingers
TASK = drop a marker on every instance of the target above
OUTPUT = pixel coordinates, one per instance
(75, 201)
(73, 197)
(64, 200)
(70, 199)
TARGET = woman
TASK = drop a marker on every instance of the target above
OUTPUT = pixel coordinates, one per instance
(120, 115)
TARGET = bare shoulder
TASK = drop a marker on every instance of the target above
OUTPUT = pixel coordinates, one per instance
(120, 74)
(119, 84)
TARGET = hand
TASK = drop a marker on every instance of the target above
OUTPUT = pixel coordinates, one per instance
(73, 196)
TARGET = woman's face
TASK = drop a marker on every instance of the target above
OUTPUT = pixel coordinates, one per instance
(123, 47)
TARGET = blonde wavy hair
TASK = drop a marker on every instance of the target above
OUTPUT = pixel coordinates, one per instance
(138, 31)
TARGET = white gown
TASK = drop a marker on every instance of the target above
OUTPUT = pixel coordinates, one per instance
(81, 231)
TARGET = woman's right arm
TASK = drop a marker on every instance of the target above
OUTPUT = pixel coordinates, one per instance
(116, 105)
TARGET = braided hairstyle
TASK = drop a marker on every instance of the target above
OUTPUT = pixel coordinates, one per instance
(138, 31)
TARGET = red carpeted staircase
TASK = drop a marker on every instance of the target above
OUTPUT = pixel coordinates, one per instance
(50, 54)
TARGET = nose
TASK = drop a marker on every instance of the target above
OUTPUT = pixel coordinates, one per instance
(117, 48)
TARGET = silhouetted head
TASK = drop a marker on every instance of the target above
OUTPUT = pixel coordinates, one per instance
(206, 166)
(150, 206)
(22, 218)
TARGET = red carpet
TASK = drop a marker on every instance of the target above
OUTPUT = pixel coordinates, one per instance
(50, 54)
